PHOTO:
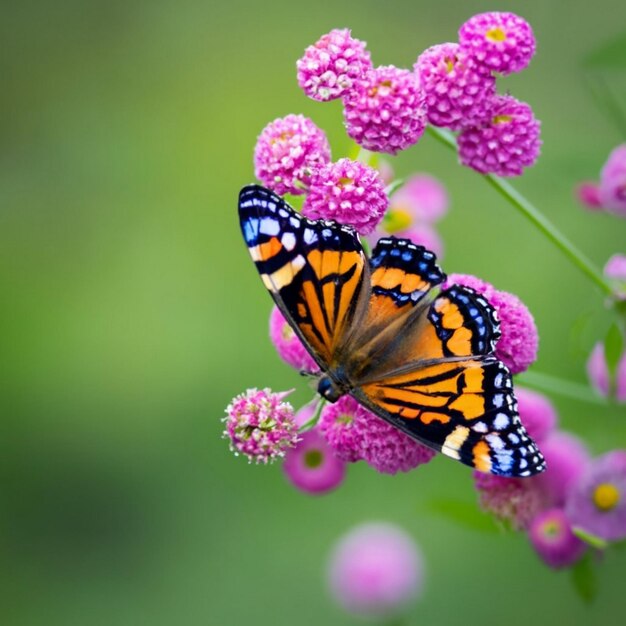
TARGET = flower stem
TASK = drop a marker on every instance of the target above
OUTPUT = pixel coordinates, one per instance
(536, 217)
(315, 418)
(560, 387)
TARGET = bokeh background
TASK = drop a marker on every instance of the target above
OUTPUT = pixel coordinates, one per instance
(131, 313)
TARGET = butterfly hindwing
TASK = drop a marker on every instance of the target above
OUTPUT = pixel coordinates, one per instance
(313, 269)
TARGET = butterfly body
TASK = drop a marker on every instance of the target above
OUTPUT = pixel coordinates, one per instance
(378, 329)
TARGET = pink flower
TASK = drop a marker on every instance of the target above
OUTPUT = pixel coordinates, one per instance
(376, 570)
(386, 111)
(598, 372)
(504, 144)
(337, 424)
(567, 458)
(515, 501)
(551, 535)
(597, 504)
(287, 151)
(260, 425)
(311, 465)
(502, 42)
(612, 189)
(288, 344)
(615, 270)
(421, 199)
(331, 66)
(458, 90)
(519, 341)
(356, 434)
(536, 412)
(588, 193)
(348, 192)
(413, 210)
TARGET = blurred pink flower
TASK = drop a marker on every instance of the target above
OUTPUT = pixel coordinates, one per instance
(612, 189)
(536, 412)
(311, 465)
(597, 503)
(588, 193)
(376, 569)
(615, 270)
(598, 373)
(551, 535)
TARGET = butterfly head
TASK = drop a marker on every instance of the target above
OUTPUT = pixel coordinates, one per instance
(329, 389)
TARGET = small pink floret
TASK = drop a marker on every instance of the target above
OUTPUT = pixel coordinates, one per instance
(386, 111)
(260, 425)
(501, 42)
(287, 151)
(348, 192)
(332, 65)
(458, 90)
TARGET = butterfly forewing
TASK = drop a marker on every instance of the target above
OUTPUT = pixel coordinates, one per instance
(313, 269)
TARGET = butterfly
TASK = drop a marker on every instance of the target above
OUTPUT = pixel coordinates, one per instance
(418, 357)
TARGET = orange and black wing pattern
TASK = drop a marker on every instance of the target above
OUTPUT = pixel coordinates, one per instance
(437, 379)
(314, 270)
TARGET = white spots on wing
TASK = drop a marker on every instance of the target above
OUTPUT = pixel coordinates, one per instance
(501, 421)
(480, 427)
(270, 226)
(289, 241)
(309, 236)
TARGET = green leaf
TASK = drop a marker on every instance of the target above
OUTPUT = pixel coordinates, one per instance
(613, 346)
(583, 578)
(610, 55)
(465, 513)
(393, 186)
(592, 540)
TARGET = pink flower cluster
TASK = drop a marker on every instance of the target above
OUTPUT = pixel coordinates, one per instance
(575, 492)
(498, 134)
(609, 194)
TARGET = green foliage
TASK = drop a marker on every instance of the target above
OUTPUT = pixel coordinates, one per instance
(583, 576)
(467, 514)
(610, 55)
(613, 347)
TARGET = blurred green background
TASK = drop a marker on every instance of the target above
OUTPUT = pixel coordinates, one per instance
(132, 314)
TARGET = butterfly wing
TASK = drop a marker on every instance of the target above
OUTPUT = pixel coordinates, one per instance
(437, 379)
(316, 271)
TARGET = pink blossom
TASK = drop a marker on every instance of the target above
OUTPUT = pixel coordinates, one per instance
(287, 151)
(552, 538)
(376, 570)
(502, 42)
(348, 192)
(332, 65)
(288, 344)
(386, 111)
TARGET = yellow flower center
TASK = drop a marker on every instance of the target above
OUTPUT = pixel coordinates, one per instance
(287, 332)
(396, 220)
(313, 458)
(450, 62)
(606, 496)
(502, 119)
(495, 34)
(282, 138)
(342, 182)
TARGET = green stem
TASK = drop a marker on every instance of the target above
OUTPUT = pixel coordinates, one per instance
(536, 217)
(560, 387)
(315, 418)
